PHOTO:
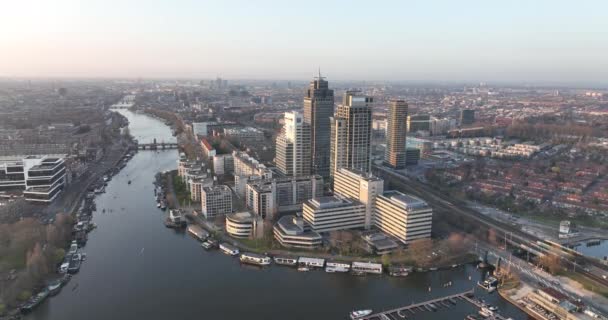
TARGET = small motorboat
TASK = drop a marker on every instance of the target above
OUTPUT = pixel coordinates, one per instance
(129, 182)
(357, 314)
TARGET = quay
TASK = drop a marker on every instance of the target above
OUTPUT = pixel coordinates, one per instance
(430, 305)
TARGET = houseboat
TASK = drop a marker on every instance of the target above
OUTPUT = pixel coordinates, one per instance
(333, 266)
(198, 232)
(399, 271)
(311, 262)
(367, 267)
(34, 301)
(255, 259)
(286, 261)
(207, 245)
(229, 249)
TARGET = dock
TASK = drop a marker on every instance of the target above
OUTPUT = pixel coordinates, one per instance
(410, 311)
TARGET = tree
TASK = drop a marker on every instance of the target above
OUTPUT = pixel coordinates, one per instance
(421, 250)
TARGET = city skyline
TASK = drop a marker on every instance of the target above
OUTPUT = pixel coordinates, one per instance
(544, 41)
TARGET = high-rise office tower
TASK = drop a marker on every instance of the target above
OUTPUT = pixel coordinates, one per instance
(351, 128)
(396, 131)
(318, 108)
(293, 146)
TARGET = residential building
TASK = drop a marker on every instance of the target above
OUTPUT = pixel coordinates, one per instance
(223, 164)
(360, 186)
(318, 108)
(331, 213)
(41, 178)
(246, 165)
(292, 231)
(351, 133)
(208, 150)
(396, 134)
(293, 146)
(216, 200)
(402, 216)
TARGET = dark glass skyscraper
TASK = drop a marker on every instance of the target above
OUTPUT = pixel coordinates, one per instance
(318, 107)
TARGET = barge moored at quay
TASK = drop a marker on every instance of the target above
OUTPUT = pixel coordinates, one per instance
(255, 259)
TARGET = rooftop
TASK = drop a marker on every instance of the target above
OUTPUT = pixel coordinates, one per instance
(405, 201)
(242, 217)
(359, 174)
(329, 202)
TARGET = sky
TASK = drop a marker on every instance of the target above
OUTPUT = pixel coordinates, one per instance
(413, 40)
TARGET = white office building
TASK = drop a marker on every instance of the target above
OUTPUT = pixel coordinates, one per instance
(216, 200)
(360, 186)
(333, 213)
(402, 216)
(293, 146)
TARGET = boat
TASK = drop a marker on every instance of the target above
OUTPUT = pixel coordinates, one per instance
(472, 317)
(285, 261)
(163, 205)
(452, 301)
(433, 307)
(357, 314)
(75, 263)
(34, 301)
(197, 232)
(54, 287)
(63, 268)
(229, 249)
(493, 308)
(303, 268)
(399, 271)
(332, 269)
(129, 182)
(158, 204)
(255, 259)
(206, 245)
(433, 269)
(485, 312)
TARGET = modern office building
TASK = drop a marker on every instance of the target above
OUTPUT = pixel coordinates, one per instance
(331, 213)
(396, 134)
(267, 197)
(402, 216)
(419, 122)
(293, 146)
(40, 178)
(467, 116)
(292, 231)
(216, 200)
(318, 108)
(351, 128)
(361, 186)
(244, 225)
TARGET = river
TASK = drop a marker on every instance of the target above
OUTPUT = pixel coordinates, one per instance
(138, 269)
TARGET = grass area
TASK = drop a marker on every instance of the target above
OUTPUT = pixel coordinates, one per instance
(258, 245)
(554, 220)
(587, 283)
(12, 261)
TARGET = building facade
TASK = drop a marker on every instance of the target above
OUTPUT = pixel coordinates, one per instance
(402, 216)
(40, 178)
(351, 125)
(293, 232)
(333, 213)
(360, 186)
(396, 132)
(318, 108)
(216, 200)
(293, 146)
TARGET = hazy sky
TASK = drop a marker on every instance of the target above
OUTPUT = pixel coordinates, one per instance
(484, 40)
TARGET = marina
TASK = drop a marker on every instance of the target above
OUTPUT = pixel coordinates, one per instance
(434, 305)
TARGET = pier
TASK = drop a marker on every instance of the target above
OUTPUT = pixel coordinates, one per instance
(411, 310)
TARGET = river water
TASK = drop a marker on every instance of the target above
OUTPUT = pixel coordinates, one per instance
(138, 269)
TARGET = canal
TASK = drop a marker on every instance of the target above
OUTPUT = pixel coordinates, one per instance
(138, 269)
